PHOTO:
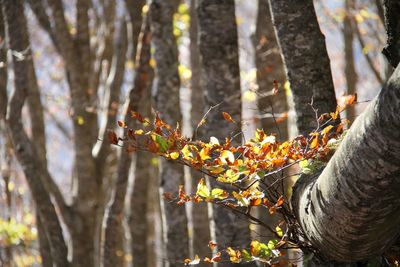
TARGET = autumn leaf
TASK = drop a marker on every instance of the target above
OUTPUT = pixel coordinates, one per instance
(212, 245)
(174, 155)
(227, 157)
(227, 117)
(195, 261)
(234, 255)
(121, 124)
(112, 137)
(216, 258)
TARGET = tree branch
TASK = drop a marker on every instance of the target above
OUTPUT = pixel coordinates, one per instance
(366, 55)
(351, 211)
(112, 90)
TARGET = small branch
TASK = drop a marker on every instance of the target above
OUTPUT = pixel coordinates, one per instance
(366, 55)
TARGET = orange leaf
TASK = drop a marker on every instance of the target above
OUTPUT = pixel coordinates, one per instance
(137, 116)
(280, 201)
(121, 124)
(314, 142)
(227, 117)
(212, 245)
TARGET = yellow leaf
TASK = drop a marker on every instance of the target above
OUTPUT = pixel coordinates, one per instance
(186, 152)
(139, 132)
(202, 189)
(80, 120)
(227, 157)
(255, 248)
(279, 231)
(204, 153)
(327, 129)
(218, 193)
(174, 155)
(216, 170)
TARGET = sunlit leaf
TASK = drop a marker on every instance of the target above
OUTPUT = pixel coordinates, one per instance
(227, 117)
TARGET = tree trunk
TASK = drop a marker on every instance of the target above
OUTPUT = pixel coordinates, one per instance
(167, 102)
(200, 219)
(270, 68)
(349, 69)
(26, 152)
(306, 60)
(218, 46)
(113, 243)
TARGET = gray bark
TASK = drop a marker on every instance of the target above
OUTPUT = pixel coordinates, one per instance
(344, 212)
(200, 219)
(167, 86)
(270, 68)
(25, 150)
(306, 60)
(349, 69)
(218, 46)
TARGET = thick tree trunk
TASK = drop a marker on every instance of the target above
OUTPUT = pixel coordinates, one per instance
(270, 68)
(350, 211)
(218, 46)
(306, 60)
(349, 68)
(26, 152)
(167, 102)
(200, 219)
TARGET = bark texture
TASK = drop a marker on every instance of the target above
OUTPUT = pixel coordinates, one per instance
(350, 211)
(200, 219)
(392, 23)
(270, 68)
(350, 71)
(167, 102)
(306, 60)
(218, 46)
(31, 161)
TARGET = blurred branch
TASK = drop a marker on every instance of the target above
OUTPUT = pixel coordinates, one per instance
(83, 38)
(62, 35)
(39, 9)
(113, 89)
(366, 55)
(3, 70)
(379, 10)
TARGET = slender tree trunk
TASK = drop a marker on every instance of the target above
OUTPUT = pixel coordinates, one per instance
(200, 219)
(26, 152)
(167, 102)
(306, 60)
(270, 68)
(218, 44)
(349, 69)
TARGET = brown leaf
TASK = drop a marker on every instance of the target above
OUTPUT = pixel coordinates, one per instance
(112, 137)
(227, 117)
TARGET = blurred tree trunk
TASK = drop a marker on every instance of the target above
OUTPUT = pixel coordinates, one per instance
(218, 45)
(167, 102)
(200, 219)
(349, 69)
(306, 61)
(30, 154)
(270, 68)
(143, 167)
